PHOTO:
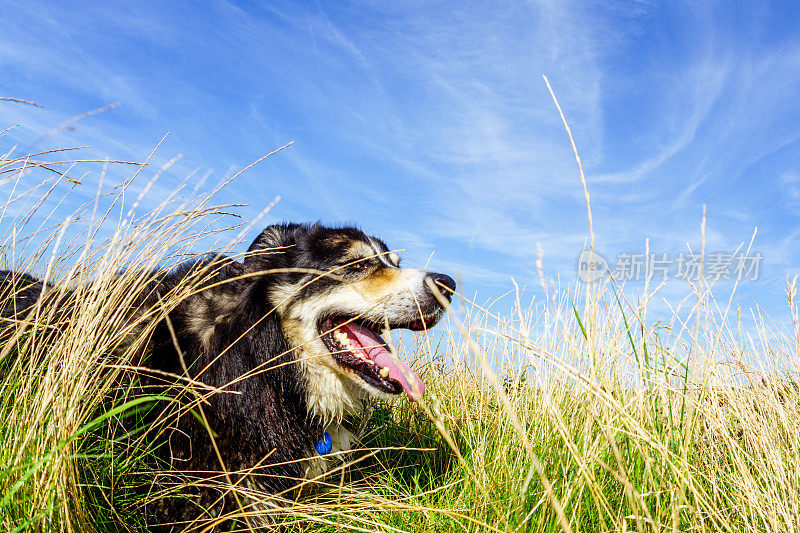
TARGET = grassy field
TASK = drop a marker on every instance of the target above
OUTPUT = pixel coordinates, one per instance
(576, 413)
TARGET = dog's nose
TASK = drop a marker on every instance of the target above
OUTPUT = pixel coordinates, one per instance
(445, 284)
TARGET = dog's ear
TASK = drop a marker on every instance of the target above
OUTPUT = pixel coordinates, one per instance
(272, 241)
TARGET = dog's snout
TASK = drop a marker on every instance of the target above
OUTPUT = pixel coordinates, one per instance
(445, 284)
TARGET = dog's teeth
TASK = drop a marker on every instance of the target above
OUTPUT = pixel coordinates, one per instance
(384, 372)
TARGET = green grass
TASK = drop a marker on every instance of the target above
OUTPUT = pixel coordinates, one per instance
(573, 414)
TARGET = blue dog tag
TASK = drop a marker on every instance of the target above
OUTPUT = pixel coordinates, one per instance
(325, 444)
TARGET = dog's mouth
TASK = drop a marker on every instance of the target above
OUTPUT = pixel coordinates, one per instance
(355, 344)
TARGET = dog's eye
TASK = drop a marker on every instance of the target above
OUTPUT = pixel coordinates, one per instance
(361, 265)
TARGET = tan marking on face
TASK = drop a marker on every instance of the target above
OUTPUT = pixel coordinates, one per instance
(360, 249)
(354, 250)
(380, 283)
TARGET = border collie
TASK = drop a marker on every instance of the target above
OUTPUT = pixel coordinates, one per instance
(291, 336)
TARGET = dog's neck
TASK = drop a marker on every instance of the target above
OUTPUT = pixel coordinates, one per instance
(330, 395)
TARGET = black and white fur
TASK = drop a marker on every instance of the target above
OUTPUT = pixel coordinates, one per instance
(261, 318)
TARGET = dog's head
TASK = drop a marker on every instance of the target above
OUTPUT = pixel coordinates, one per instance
(335, 290)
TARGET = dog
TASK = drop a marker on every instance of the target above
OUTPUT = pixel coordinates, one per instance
(291, 337)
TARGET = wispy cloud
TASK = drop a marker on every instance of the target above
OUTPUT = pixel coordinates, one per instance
(429, 124)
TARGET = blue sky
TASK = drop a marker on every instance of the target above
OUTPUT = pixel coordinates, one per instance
(429, 125)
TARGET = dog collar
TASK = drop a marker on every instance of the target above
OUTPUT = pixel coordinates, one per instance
(325, 444)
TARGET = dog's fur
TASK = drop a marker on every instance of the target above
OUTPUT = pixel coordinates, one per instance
(254, 328)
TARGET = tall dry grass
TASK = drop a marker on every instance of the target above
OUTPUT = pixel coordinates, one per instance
(62, 399)
(577, 413)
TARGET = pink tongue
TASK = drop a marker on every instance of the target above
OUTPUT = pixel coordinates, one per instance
(374, 348)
